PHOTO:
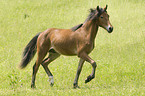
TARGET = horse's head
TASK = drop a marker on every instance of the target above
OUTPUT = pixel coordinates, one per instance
(103, 19)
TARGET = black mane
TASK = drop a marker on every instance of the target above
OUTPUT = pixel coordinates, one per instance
(91, 16)
(94, 13)
(76, 27)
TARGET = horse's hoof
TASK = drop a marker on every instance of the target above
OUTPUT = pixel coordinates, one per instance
(51, 84)
(89, 78)
(76, 86)
(33, 86)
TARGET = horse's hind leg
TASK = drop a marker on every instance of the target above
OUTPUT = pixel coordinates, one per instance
(52, 56)
(41, 54)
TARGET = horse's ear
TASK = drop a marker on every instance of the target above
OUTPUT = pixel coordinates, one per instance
(105, 8)
(98, 8)
(91, 10)
(99, 11)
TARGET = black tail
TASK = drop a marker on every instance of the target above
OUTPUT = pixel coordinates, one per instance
(29, 52)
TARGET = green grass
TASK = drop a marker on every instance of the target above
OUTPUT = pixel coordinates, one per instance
(120, 56)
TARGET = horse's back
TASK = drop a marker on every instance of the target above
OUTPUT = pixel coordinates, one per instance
(61, 40)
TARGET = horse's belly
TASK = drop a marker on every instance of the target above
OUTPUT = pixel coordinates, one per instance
(64, 43)
(66, 49)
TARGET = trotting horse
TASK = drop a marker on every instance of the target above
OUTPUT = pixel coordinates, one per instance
(78, 40)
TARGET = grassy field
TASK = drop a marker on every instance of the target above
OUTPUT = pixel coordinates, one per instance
(120, 56)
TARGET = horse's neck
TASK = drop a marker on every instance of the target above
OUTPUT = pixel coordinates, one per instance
(91, 29)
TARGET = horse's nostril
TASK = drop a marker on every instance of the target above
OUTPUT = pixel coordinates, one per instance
(111, 29)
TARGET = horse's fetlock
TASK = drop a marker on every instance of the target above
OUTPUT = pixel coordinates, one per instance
(51, 80)
(75, 84)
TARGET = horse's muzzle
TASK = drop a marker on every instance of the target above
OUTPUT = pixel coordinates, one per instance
(110, 29)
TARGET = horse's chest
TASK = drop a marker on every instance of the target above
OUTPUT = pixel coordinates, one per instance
(86, 47)
(89, 47)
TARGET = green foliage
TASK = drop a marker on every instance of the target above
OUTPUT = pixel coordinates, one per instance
(120, 56)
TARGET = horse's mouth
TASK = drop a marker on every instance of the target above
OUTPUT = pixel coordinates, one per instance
(110, 29)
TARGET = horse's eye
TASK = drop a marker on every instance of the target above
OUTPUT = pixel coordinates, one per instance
(101, 16)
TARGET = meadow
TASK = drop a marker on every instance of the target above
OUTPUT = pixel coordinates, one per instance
(120, 56)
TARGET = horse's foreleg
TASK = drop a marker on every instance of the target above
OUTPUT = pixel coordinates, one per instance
(46, 62)
(92, 62)
(81, 62)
